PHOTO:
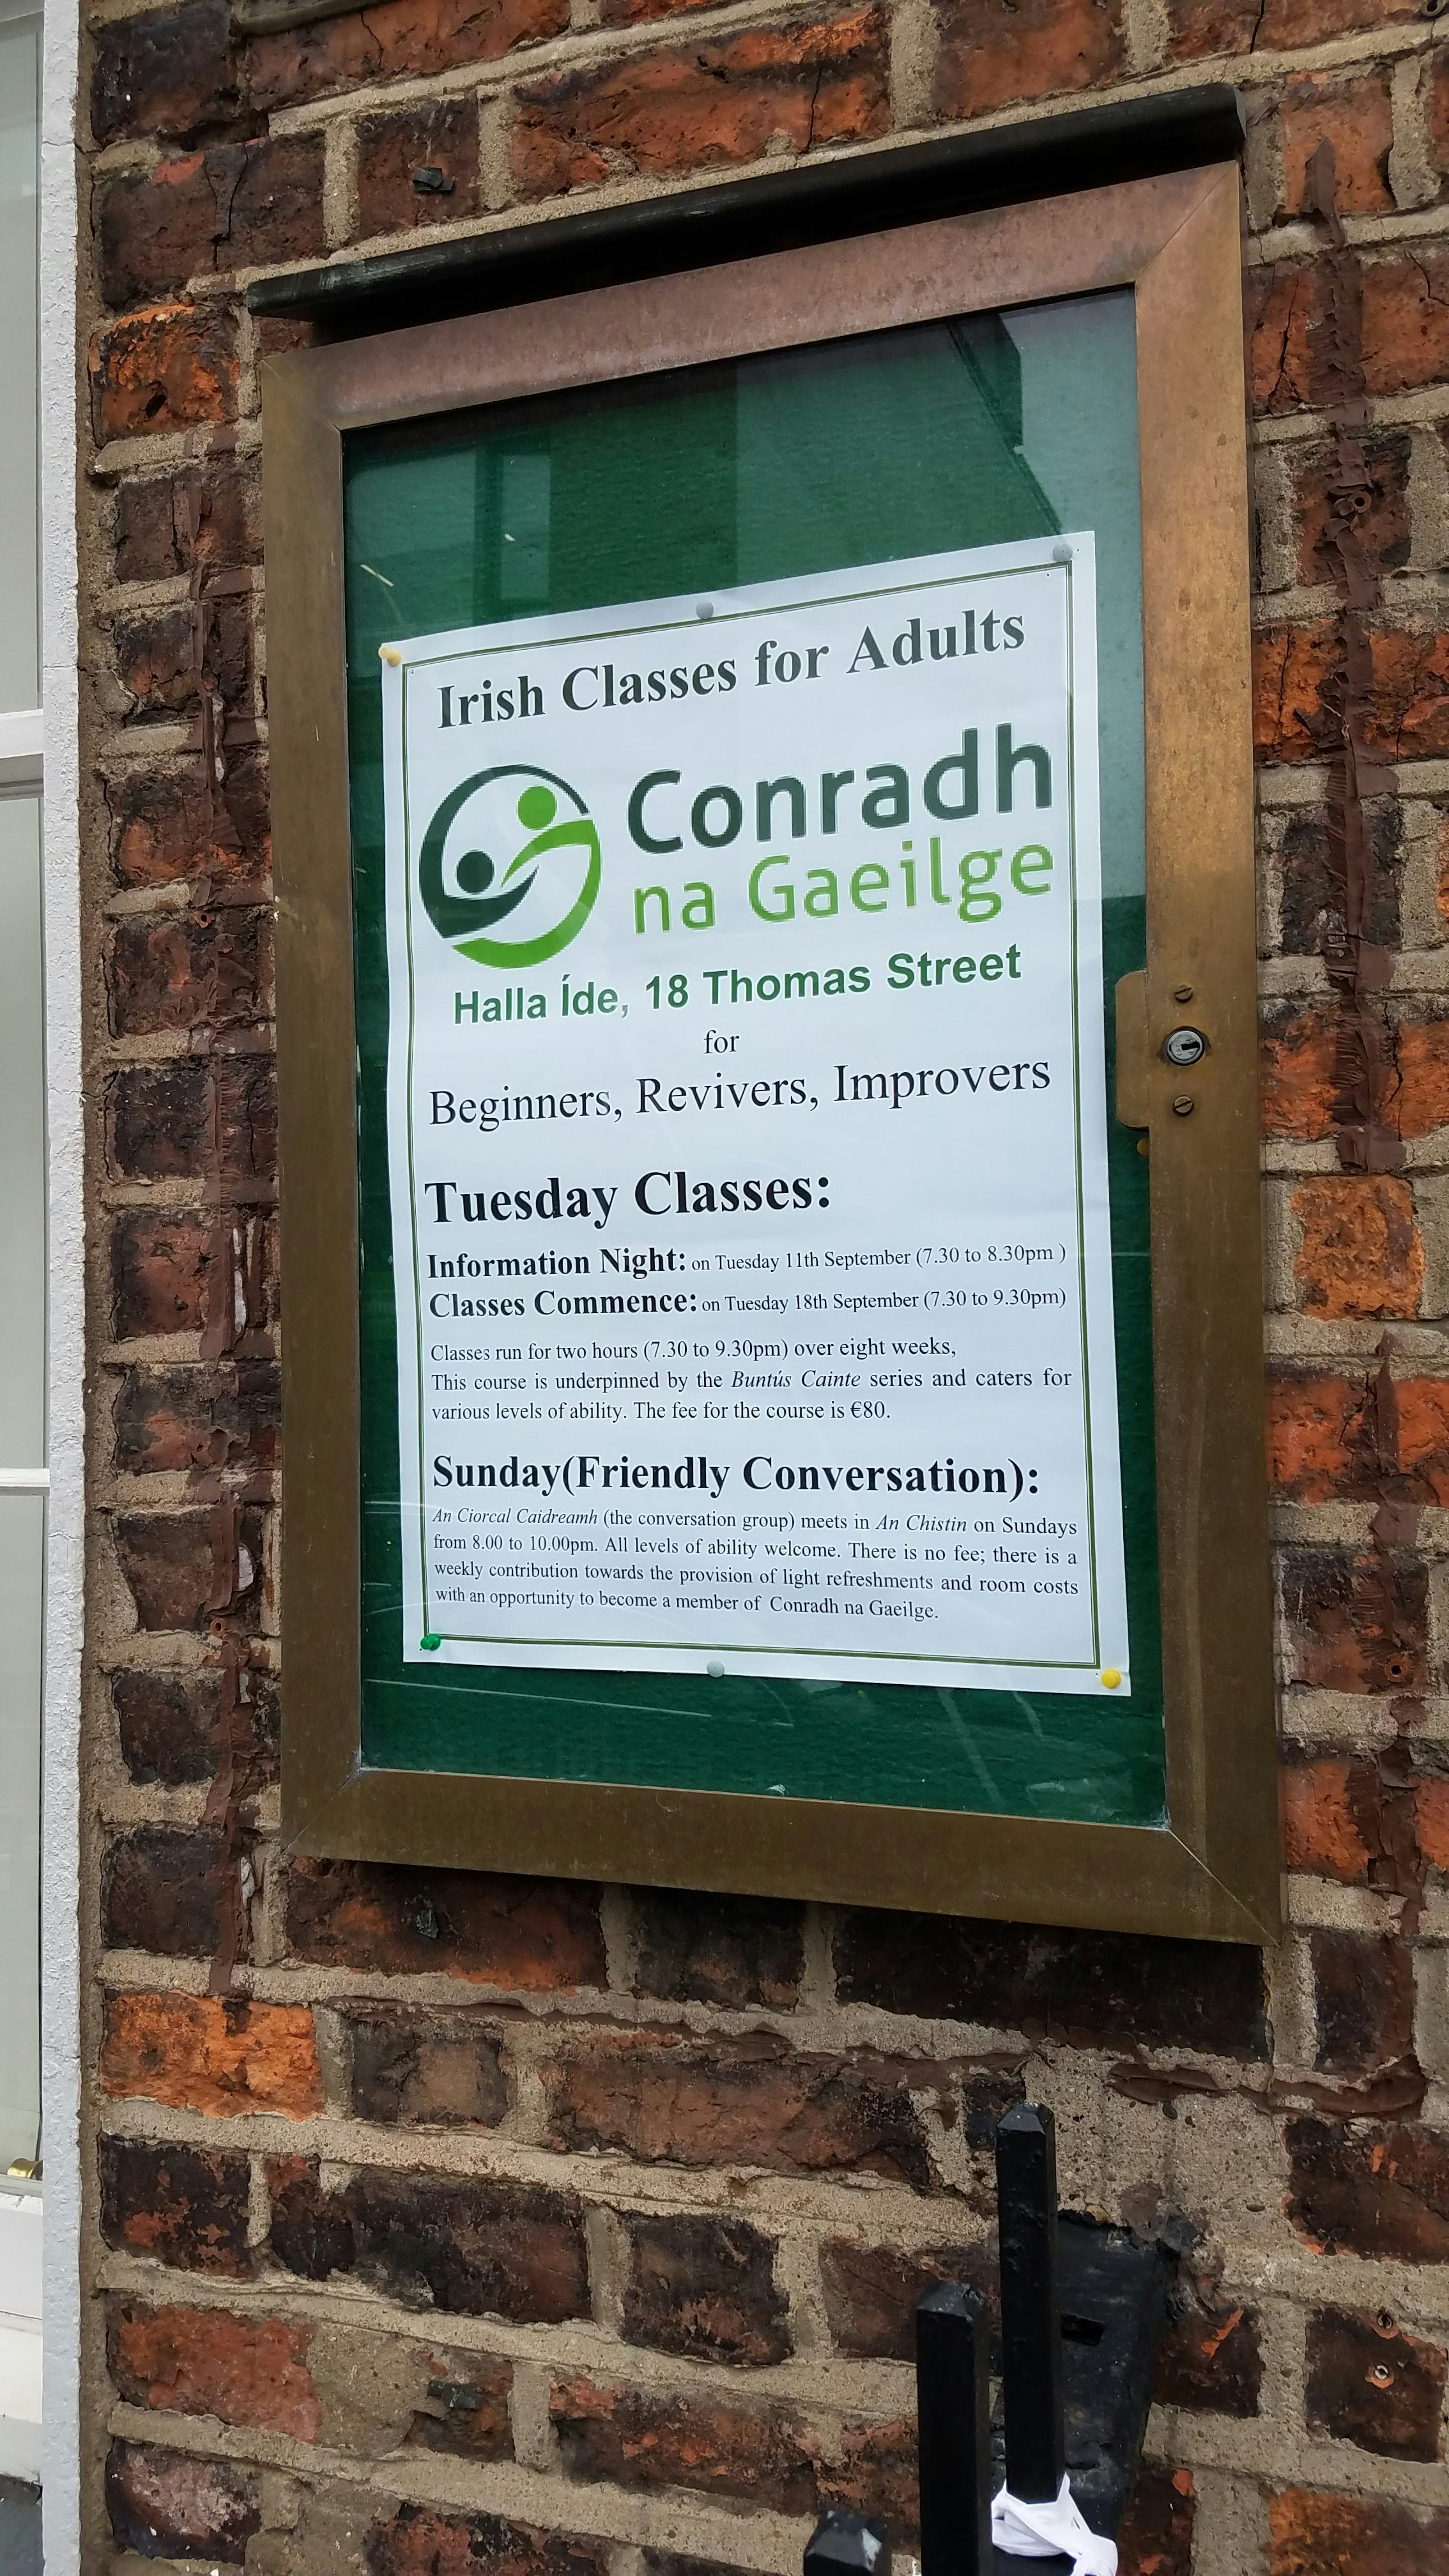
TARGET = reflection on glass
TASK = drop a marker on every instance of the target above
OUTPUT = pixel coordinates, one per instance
(19, 131)
(22, 1535)
(22, 1140)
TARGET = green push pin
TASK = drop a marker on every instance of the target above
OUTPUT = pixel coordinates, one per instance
(430, 1643)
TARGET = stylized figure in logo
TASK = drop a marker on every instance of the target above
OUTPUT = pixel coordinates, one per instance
(483, 900)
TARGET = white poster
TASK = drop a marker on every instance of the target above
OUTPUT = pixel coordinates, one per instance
(747, 1133)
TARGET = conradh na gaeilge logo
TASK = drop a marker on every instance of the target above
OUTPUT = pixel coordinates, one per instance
(543, 893)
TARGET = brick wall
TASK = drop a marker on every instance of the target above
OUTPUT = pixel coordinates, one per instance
(444, 2222)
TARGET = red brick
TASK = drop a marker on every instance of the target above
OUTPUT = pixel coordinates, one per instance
(1155, 2538)
(1361, 499)
(1290, 356)
(424, 2069)
(537, 1935)
(1431, 1802)
(1372, 2383)
(165, 828)
(704, 2288)
(245, 2370)
(421, 2541)
(465, 2415)
(1202, 27)
(876, 2473)
(1406, 322)
(465, 2246)
(1319, 1437)
(635, 2439)
(218, 2055)
(657, 114)
(164, 2503)
(731, 1951)
(1356, 117)
(1210, 2359)
(1407, 716)
(173, 1269)
(173, 367)
(1363, 2000)
(1298, 1070)
(186, 2206)
(242, 205)
(1360, 1253)
(1356, 1622)
(162, 1890)
(178, 1121)
(189, 971)
(174, 1729)
(1313, 911)
(167, 657)
(182, 1569)
(440, 136)
(1293, 667)
(1084, 1987)
(872, 2291)
(750, 2101)
(993, 52)
(399, 38)
(172, 1418)
(1331, 1817)
(1339, 2535)
(1382, 2192)
(183, 523)
(170, 72)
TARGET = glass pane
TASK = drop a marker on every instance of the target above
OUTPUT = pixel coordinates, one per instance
(19, 137)
(22, 1139)
(22, 1539)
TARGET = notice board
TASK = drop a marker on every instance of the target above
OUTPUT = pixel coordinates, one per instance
(744, 1310)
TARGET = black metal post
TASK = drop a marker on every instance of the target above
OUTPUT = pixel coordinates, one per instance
(951, 2423)
(1031, 2330)
(847, 2544)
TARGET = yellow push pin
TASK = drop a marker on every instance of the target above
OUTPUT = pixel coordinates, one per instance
(1111, 1678)
(390, 653)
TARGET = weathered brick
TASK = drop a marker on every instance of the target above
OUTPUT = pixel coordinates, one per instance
(162, 1264)
(872, 2291)
(1363, 2000)
(173, 367)
(1356, 1622)
(731, 1951)
(164, 2504)
(704, 2288)
(1076, 1985)
(1201, 27)
(189, 971)
(1290, 360)
(186, 2206)
(183, 523)
(876, 2473)
(167, 828)
(1356, 117)
(469, 2247)
(1321, 1443)
(181, 1569)
(990, 56)
(1331, 1816)
(464, 2413)
(205, 2361)
(221, 2055)
(228, 1415)
(167, 658)
(171, 73)
(1431, 1814)
(748, 2101)
(1407, 716)
(789, 89)
(193, 1121)
(1293, 667)
(1381, 2191)
(1298, 1070)
(399, 38)
(421, 2541)
(1360, 1252)
(539, 1935)
(1372, 2383)
(161, 1890)
(442, 135)
(636, 2439)
(1339, 2535)
(424, 2069)
(1155, 2538)
(1210, 2359)
(243, 205)
(1405, 321)
(1313, 910)
(1420, 1410)
(174, 1728)
(1339, 503)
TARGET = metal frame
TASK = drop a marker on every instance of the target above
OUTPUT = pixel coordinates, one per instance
(1213, 1871)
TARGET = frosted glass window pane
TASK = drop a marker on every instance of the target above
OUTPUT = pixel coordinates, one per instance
(22, 1535)
(22, 1140)
(19, 157)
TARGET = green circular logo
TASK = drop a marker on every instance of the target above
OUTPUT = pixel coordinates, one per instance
(512, 845)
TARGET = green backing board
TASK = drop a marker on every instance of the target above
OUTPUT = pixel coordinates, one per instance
(955, 434)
